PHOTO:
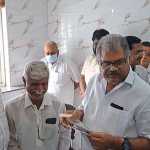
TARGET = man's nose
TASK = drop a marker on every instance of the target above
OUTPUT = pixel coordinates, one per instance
(113, 68)
(40, 87)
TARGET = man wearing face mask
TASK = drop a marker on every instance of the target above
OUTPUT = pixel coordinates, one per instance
(91, 66)
(33, 117)
(116, 107)
(64, 74)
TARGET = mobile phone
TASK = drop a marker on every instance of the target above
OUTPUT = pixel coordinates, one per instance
(69, 107)
(81, 129)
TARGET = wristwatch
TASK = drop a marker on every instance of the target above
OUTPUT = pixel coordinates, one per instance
(126, 145)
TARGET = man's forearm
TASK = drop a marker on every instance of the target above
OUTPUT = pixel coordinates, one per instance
(82, 84)
(136, 143)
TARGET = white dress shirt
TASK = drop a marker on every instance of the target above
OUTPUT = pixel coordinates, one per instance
(4, 130)
(62, 76)
(143, 72)
(131, 118)
(28, 127)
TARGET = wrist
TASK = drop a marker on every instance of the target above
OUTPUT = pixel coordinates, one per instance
(126, 145)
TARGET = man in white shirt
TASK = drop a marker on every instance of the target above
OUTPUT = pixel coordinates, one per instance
(33, 117)
(143, 70)
(4, 130)
(91, 66)
(116, 107)
(64, 74)
(135, 47)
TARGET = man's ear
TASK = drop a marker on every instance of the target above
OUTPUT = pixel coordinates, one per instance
(24, 81)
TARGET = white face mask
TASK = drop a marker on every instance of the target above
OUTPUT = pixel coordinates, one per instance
(51, 58)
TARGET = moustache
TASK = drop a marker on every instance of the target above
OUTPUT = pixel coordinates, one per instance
(111, 71)
(41, 92)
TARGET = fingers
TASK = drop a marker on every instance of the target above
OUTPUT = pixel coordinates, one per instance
(69, 118)
(96, 143)
(65, 121)
(96, 134)
(100, 141)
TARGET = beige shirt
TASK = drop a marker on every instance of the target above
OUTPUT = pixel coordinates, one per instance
(28, 128)
(90, 68)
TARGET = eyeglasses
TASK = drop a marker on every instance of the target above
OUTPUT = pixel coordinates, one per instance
(116, 63)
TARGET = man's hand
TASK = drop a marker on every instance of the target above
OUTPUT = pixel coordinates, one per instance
(82, 85)
(68, 118)
(101, 141)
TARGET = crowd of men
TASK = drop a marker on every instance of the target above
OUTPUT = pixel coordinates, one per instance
(114, 113)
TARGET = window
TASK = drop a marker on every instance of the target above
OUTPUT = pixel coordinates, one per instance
(2, 60)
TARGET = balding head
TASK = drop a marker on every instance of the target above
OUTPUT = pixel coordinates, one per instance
(50, 48)
(36, 70)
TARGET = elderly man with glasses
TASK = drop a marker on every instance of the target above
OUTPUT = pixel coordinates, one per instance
(116, 107)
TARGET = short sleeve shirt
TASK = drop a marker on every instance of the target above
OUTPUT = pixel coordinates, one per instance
(90, 68)
(122, 112)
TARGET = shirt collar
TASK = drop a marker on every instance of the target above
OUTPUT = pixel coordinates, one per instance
(28, 102)
(129, 80)
(148, 69)
(46, 101)
(130, 77)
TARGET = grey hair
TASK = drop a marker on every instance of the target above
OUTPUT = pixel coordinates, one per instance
(36, 70)
(52, 43)
(112, 42)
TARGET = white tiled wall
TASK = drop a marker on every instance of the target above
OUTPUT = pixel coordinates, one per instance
(10, 95)
(27, 31)
(71, 24)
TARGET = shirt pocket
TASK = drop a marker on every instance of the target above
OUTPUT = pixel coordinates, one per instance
(115, 121)
(49, 131)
